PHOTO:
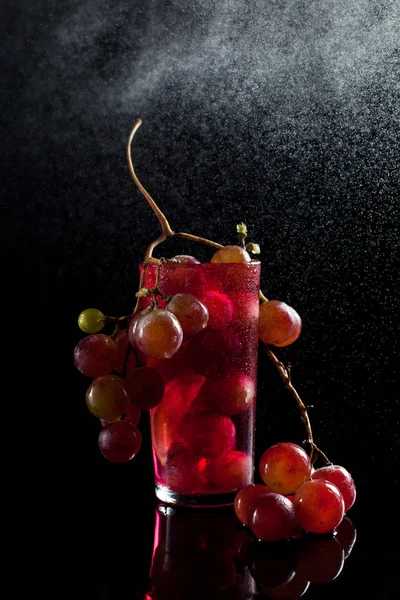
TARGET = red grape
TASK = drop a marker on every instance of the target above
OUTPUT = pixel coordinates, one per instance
(278, 324)
(271, 517)
(220, 309)
(122, 341)
(284, 467)
(185, 473)
(190, 312)
(158, 334)
(319, 506)
(146, 387)
(215, 352)
(244, 499)
(132, 415)
(230, 394)
(207, 435)
(186, 259)
(230, 471)
(320, 560)
(95, 355)
(107, 397)
(340, 477)
(178, 396)
(231, 254)
(119, 441)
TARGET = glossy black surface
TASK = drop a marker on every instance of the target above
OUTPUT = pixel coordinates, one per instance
(280, 114)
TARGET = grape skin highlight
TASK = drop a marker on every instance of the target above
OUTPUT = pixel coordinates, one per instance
(284, 467)
(95, 355)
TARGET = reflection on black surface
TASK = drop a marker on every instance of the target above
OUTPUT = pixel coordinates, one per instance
(208, 554)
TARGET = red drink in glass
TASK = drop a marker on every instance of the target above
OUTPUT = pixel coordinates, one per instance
(203, 430)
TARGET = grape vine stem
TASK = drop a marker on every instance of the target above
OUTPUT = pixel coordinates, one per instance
(167, 231)
(286, 377)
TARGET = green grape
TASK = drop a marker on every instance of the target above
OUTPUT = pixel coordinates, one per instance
(91, 320)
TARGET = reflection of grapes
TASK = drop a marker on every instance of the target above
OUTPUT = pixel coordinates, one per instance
(340, 477)
(273, 565)
(245, 498)
(319, 560)
(272, 517)
(158, 334)
(346, 534)
(95, 355)
(119, 441)
(319, 506)
(231, 254)
(190, 312)
(284, 467)
(107, 397)
(279, 324)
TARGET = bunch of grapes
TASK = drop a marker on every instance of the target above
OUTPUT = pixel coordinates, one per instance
(295, 497)
(124, 382)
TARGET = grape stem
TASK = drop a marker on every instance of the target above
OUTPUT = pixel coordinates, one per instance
(167, 231)
(285, 374)
(165, 226)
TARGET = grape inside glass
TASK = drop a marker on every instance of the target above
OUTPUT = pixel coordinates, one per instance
(203, 430)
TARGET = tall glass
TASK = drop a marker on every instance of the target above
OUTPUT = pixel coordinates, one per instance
(203, 430)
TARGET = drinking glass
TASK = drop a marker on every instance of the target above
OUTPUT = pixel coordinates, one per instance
(203, 430)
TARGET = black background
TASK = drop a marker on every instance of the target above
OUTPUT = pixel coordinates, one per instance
(284, 115)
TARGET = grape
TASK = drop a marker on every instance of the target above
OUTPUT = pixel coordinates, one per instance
(340, 477)
(320, 560)
(230, 394)
(122, 341)
(174, 366)
(91, 320)
(190, 312)
(284, 467)
(186, 259)
(207, 435)
(231, 254)
(146, 387)
(319, 506)
(107, 397)
(278, 324)
(158, 334)
(119, 441)
(230, 471)
(95, 355)
(215, 352)
(246, 309)
(273, 565)
(271, 517)
(178, 396)
(184, 473)
(132, 415)
(245, 497)
(220, 309)
(346, 534)
(294, 589)
(132, 326)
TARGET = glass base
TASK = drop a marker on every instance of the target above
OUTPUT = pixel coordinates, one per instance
(194, 500)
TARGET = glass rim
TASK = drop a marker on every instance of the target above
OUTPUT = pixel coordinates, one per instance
(204, 264)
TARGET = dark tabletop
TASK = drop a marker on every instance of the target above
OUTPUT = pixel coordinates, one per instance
(283, 115)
